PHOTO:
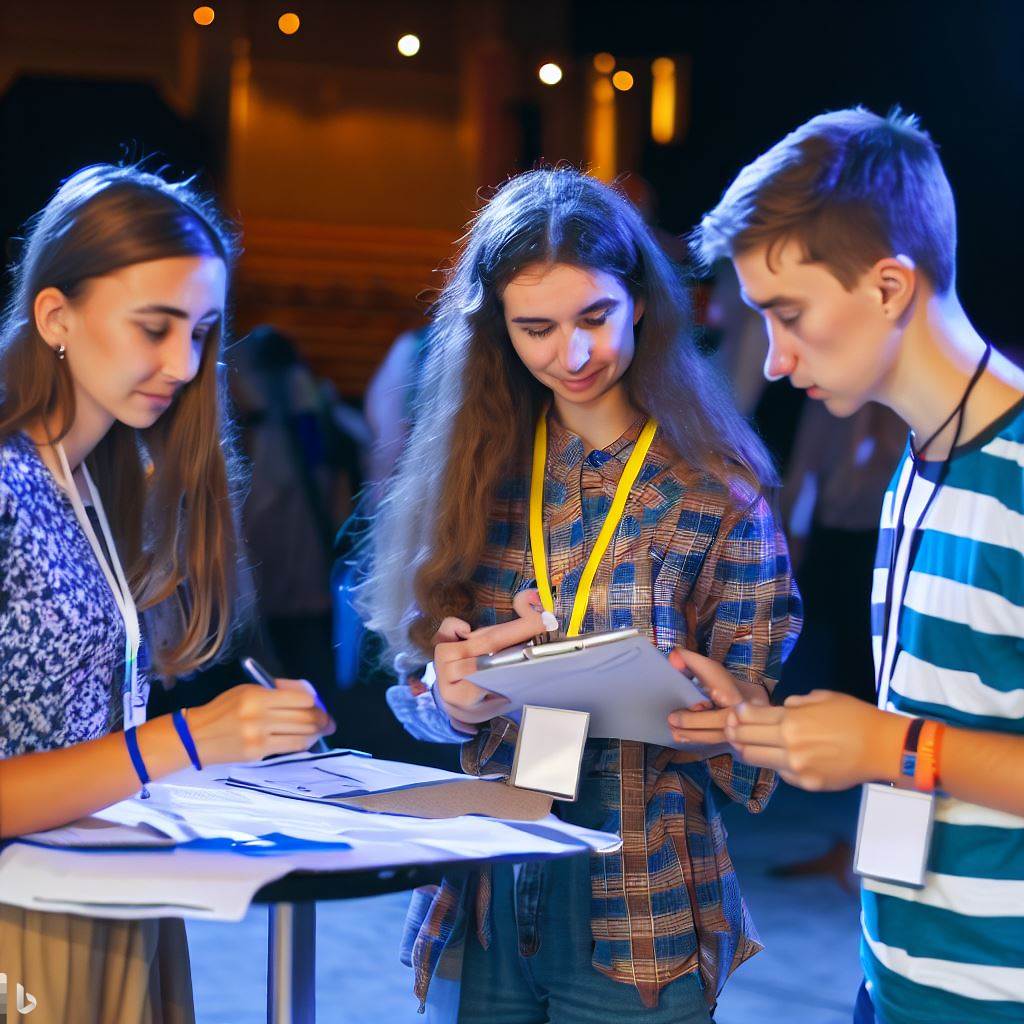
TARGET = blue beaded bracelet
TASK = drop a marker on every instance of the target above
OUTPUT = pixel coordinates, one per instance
(186, 739)
(132, 742)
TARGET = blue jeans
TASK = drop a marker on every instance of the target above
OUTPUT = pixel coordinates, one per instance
(864, 1011)
(557, 982)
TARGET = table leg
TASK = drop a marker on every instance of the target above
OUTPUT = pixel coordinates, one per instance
(291, 964)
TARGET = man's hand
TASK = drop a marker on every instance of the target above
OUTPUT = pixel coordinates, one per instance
(821, 741)
(704, 724)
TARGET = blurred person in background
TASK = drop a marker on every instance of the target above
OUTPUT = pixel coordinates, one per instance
(389, 409)
(303, 473)
(389, 406)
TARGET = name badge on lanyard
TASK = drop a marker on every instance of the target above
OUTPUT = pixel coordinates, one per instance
(894, 833)
(549, 748)
(134, 701)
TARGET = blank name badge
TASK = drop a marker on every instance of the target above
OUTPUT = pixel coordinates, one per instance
(549, 751)
(894, 834)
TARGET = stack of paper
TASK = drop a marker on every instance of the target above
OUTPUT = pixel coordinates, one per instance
(390, 787)
(327, 776)
(85, 867)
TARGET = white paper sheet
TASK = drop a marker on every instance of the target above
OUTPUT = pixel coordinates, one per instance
(156, 883)
(628, 687)
(341, 775)
(98, 832)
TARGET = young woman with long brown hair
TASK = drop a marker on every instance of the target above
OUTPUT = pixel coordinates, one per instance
(563, 326)
(115, 498)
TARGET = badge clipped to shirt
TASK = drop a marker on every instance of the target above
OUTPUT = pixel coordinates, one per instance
(894, 834)
(551, 741)
(549, 751)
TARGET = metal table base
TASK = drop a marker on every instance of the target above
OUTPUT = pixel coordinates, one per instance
(291, 946)
(291, 932)
(291, 964)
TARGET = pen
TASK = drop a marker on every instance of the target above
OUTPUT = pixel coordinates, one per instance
(258, 674)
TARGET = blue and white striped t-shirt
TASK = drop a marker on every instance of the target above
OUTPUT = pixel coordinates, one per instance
(954, 950)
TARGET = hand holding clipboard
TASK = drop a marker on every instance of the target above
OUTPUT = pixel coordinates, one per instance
(724, 691)
(456, 653)
(626, 685)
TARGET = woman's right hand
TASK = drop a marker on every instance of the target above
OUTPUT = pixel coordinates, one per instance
(249, 722)
(456, 648)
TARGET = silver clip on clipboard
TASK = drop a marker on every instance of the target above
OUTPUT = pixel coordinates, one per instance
(552, 648)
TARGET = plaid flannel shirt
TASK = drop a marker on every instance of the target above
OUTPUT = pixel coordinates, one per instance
(687, 567)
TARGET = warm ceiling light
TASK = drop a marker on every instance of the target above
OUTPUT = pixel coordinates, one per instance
(550, 74)
(289, 23)
(663, 100)
(604, 62)
(409, 46)
(622, 80)
(203, 15)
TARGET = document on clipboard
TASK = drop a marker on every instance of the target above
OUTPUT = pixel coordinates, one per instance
(358, 781)
(619, 678)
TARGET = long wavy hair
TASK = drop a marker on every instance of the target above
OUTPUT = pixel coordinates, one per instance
(477, 403)
(170, 488)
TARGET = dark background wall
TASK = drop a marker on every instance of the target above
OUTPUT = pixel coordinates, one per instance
(352, 170)
(760, 69)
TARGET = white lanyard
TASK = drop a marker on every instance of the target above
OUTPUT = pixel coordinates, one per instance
(134, 705)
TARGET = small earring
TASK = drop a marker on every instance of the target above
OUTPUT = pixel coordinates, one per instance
(60, 351)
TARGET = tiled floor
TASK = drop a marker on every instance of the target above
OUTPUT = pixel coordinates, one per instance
(808, 973)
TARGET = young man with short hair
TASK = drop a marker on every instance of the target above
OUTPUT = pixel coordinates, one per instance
(844, 237)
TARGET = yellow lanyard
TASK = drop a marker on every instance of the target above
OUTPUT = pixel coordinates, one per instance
(604, 538)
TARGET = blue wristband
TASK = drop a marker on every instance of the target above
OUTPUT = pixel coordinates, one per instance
(132, 742)
(186, 739)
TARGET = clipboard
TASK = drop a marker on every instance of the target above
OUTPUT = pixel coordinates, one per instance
(390, 787)
(619, 678)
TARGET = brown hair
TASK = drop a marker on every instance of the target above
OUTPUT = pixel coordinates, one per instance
(477, 403)
(852, 188)
(169, 488)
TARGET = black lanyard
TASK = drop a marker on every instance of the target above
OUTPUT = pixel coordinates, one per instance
(898, 525)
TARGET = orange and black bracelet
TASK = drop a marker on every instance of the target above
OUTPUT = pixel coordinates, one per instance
(919, 763)
(926, 774)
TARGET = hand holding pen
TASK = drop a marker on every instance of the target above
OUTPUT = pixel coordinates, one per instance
(248, 723)
(258, 674)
